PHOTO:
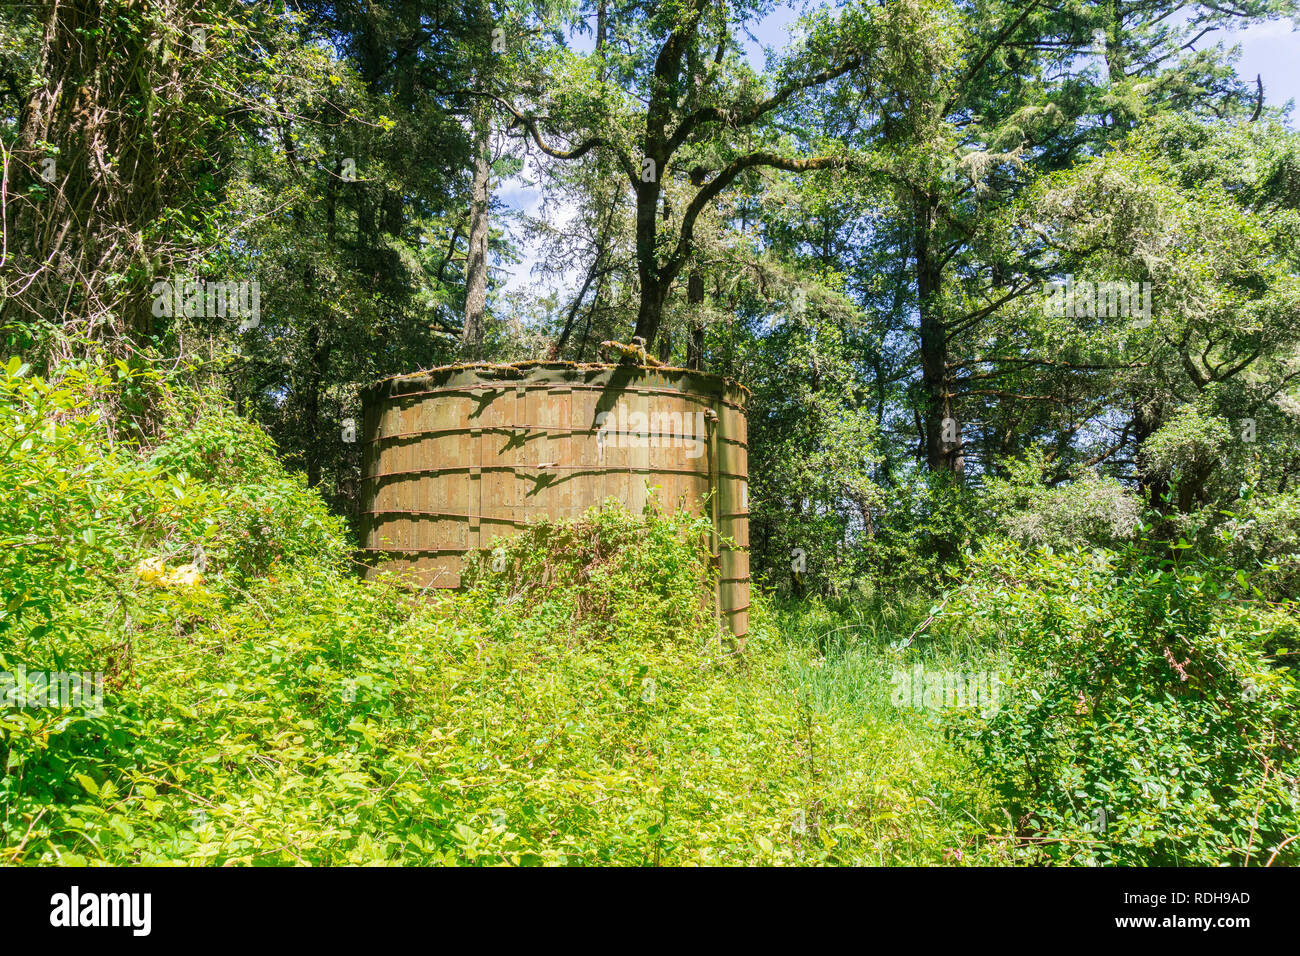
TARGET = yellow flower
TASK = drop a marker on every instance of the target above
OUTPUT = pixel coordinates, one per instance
(150, 569)
(187, 575)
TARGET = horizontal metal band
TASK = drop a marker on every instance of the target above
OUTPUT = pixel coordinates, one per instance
(437, 584)
(569, 429)
(422, 550)
(561, 387)
(593, 469)
(461, 515)
(446, 514)
(471, 551)
(467, 516)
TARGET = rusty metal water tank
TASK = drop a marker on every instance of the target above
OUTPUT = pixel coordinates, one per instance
(456, 456)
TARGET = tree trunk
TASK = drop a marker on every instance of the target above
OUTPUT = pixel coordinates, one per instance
(650, 311)
(695, 296)
(476, 260)
(943, 437)
(601, 32)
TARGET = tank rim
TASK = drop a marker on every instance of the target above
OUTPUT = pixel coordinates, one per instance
(528, 364)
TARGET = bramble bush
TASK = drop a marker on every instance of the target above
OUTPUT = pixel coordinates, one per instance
(1148, 710)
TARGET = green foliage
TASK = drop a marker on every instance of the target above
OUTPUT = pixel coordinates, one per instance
(859, 231)
(79, 500)
(254, 512)
(1260, 534)
(1187, 445)
(606, 574)
(1092, 510)
(138, 105)
(816, 456)
(1156, 691)
(576, 704)
(575, 707)
(931, 525)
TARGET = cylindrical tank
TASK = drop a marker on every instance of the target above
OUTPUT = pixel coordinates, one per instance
(456, 456)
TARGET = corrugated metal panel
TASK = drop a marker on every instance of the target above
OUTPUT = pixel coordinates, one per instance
(456, 456)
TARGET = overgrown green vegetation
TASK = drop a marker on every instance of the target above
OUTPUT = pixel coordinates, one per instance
(576, 703)
(1148, 715)
(577, 707)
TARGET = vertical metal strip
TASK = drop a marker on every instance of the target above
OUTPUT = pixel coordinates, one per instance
(519, 452)
(715, 492)
(474, 493)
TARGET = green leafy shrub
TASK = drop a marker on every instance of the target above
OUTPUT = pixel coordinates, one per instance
(1091, 511)
(1144, 718)
(90, 510)
(604, 574)
(1260, 533)
(254, 512)
(925, 533)
(76, 499)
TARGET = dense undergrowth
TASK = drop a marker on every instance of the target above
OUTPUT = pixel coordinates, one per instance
(576, 704)
(576, 707)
